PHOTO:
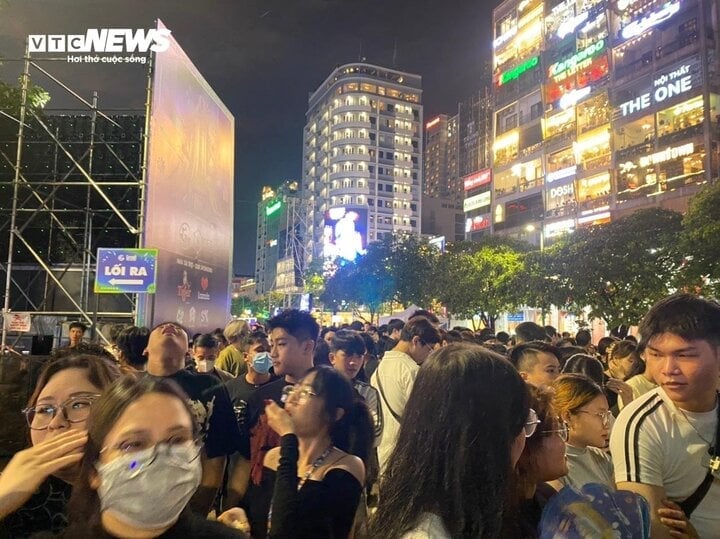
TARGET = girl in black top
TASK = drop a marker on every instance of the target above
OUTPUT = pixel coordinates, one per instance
(317, 473)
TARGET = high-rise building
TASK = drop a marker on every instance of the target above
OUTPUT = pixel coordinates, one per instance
(601, 108)
(362, 160)
(441, 158)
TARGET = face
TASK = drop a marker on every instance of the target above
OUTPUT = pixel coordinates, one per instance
(253, 349)
(289, 356)
(75, 335)
(167, 340)
(204, 358)
(686, 370)
(590, 424)
(62, 386)
(619, 367)
(306, 409)
(153, 418)
(550, 459)
(329, 337)
(347, 363)
(420, 350)
(546, 369)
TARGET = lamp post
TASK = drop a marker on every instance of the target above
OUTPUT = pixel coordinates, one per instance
(530, 228)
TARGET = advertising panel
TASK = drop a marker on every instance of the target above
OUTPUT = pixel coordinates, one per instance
(477, 179)
(189, 208)
(345, 233)
(477, 201)
(671, 84)
(479, 222)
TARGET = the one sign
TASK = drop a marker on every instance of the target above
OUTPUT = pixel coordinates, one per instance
(126, 271)
(477, 201)
(18, 322)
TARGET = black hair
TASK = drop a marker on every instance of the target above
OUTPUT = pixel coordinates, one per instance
(627, 348)
(524, 356)
(131, 343)
(321, 354)
(583, 337)
(79, 325)
(219, 337)
(114, 331)
(393, 324)
(420, 327)
(530, 331)
(566, 352)
(587, 365)
(369, 343)
(503, 337)
(353, 432)
(357, 325)
(87, 348)
(297, 323)
(348, 341)
(690, 317)
(550, 331)
(206, 340)
(452, 336)
(453, 452)
(486, 334)
(603, 345)
(425, 314)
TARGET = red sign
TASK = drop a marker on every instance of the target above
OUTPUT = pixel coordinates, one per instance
(478, 222)
(477, 179)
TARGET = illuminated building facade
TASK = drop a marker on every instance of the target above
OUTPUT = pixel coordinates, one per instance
(601, 107)
(440, 177)
(362, 158)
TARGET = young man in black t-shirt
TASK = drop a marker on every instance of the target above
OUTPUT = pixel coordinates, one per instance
(209, 401)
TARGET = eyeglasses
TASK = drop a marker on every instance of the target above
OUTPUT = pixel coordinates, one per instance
(562, 432)
(74, 410)
(141, 453)
(303, 394)
(531, 423)
(604, 416)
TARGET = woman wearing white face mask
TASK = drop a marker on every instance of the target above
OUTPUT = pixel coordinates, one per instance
(141, 466)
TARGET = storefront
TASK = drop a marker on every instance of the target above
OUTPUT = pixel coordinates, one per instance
(593, 188)
(592, 151)
(560, 198)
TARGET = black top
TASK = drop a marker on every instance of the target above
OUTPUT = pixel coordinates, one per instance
(240, 391)
(46, 510)
(320, 509)
(210, 403)
(189, 525)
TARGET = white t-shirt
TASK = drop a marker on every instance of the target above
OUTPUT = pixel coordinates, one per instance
(640, 385)
(653, 443)
(397, 372)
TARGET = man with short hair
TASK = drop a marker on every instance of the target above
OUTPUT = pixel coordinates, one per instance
(664, 443)
(205, 353)
(232, 358)
(293, 334)
(537, 362)
(209, 401)
(530, 331)
(76, 332)
(394, 327)
(395, 376)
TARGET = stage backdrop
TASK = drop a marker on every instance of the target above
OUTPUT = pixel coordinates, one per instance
(189, 206)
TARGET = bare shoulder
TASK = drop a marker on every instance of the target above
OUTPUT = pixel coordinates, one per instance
(272, 458)
(349, 463)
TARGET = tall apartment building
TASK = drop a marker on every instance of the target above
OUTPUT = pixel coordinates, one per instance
(441, 157)
(362, 158)
(602, 107)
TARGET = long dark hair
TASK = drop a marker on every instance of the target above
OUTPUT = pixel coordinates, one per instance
(452, 457)
(353, 432)
(84, 507)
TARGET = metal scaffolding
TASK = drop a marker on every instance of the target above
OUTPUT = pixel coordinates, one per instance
(70, 182)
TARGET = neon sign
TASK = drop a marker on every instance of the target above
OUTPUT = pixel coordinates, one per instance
(557, 228)
(505, 37)
(571, 98)
(637, 27)
(517, 71)
(477, 223)
(562, 173)
(562, 191)
(272, 208)
(665, 86)
(568, 27)
(667, 155)
(432, 123)
(561, 70)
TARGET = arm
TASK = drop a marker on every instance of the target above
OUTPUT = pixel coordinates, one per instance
(239, 481)
(212, 476)
(285, 495)
(654, 495)
(372, 400)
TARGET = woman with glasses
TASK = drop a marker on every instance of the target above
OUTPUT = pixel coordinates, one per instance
(542, 460)
(582, 405)
(318, 472)
(141, 466)
(36, 484)
(463, 429)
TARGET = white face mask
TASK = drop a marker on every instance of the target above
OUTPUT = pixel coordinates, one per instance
(150, 488)
(204, 365)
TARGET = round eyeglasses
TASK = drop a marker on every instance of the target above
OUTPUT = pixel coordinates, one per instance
(141, 453)
(302, 394)
(75, 410)
(531, 423)
(604, 416)
(562, 431)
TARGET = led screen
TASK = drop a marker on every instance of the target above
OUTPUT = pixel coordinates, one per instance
(345, 233)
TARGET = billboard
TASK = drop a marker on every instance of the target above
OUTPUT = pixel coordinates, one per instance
(345, 233)
(189, 196)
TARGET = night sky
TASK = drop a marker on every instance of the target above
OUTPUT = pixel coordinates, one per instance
(263, 58)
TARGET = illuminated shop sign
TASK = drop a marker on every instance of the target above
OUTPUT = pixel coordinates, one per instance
(272, 208)
(560, 174)
(571, 98)
(559, 227)
(579, 60)
(480, 222)
(667, 154)
(477, 179)
(637, 27)
(666, 86)
(432, 123)
(507, 36)
(595, 218)
(568, 26)
(517, 71)
(622, 5)
(477, 201)
(562, 191)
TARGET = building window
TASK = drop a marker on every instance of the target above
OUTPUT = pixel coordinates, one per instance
(371, 201)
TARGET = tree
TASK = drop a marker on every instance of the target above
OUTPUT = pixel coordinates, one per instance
(700, 242)
(620, 269)
(411, 266)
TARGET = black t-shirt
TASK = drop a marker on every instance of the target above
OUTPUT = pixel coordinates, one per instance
(210, 403)
(45, 511)
(240, 391)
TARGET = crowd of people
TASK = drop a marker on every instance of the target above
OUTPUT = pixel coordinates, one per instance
(405, 430)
